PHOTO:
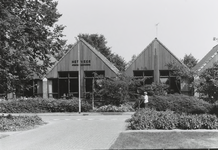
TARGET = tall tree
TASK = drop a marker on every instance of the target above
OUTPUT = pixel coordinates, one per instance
(99, 43)
(189, 61)
(28, 36)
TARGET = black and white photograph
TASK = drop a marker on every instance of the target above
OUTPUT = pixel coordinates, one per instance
(108, 74)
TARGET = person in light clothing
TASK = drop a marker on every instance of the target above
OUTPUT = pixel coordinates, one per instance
(145, 99)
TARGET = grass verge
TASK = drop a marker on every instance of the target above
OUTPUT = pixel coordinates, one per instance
(166, 140)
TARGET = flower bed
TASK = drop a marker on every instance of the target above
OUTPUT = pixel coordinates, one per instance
(112, 108)
(145, 119)
(15, 123)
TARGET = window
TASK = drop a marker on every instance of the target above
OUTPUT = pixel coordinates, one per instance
(148, 74)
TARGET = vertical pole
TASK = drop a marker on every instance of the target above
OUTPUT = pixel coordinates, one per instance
(79, 76)
(156, 63)
(93, 92)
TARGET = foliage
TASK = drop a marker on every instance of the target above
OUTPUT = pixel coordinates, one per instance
(207, 84)
(99, 43)
(214, 109)
(118, 90)
(113, 91)
(15, 123)
(189, 61)
(39, 105)
(155, 89)
(182, 73)
(28, 37)
(179, 103)
(131, 61)
(151, 119)
(112, 108)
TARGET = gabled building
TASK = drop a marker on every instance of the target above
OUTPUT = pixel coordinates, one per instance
(207, 61)
(152, 63)
(63, 78)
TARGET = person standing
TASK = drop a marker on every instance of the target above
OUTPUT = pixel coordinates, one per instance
(145, 99)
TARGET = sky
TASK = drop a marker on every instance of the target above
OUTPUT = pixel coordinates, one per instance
(129, 26)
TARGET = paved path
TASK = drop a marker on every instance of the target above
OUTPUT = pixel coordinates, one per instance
(67, 133)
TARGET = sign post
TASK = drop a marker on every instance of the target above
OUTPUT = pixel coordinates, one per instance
(79, 75)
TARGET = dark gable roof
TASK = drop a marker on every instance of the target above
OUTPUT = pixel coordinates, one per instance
(206, 59)
(102, 57)
(164, 47)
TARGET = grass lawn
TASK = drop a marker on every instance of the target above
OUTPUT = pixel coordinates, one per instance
(166, 140)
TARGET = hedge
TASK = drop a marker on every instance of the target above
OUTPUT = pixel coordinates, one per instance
(145, 119)
(39, 105)
(179, 103)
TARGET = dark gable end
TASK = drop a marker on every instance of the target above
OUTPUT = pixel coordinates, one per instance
(64, 64)
(145, 60)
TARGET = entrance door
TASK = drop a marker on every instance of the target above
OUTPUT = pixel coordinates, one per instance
(63, 87)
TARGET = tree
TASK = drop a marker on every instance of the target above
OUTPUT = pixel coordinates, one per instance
(132, 60)
(207, 84)
(99, 43)
(182, 74)
(189, 61)
(28, 37)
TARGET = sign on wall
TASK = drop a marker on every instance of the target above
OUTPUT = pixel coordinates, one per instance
(82, 63)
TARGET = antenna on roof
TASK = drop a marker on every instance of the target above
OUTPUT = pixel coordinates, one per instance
(157, 29)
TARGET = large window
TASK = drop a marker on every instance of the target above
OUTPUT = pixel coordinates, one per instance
(68, 84)
(147, 74)
(89, 77)
(166, 77)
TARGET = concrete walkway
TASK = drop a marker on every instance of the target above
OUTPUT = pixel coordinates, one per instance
(67, 132)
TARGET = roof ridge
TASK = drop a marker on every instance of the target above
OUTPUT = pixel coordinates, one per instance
(139, 54)
(57, 61)
(172, 54)
(206, 59)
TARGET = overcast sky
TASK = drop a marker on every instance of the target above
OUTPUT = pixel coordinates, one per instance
(185, 26)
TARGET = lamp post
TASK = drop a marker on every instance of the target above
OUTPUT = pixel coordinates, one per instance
(79, 74)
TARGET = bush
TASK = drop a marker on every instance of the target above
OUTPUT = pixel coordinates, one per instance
(112, 108)
(151, 119)
(155, 89)
(39, 105)
(179, 103)
(14, 123)
(214, 109)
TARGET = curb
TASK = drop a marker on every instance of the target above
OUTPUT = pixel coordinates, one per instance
(72, 114)
(174, 130)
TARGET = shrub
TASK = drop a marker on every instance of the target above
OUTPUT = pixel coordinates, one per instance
(112, 108)
(39, 105)
(112, 91)
(14, 123)
(155, 89)
(151, 119)
(179, 103)
(214, 109)
(202, 121)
